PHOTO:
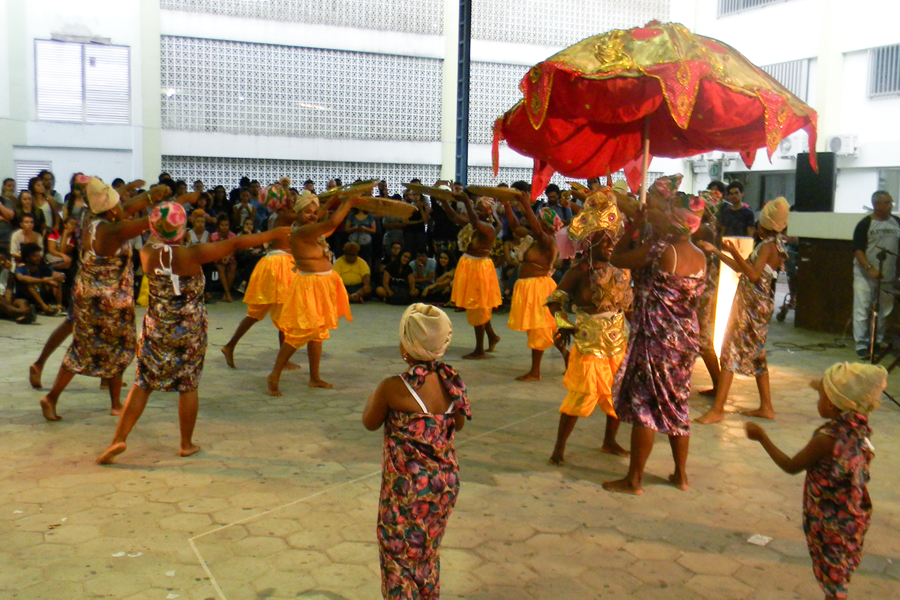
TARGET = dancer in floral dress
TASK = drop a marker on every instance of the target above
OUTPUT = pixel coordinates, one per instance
(421, 411)
(706, 311)
(103, 340)
(173, 340)
(744, 345)
(654, 382)
(837, 509)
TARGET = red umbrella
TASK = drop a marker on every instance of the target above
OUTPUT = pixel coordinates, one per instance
(614, 100)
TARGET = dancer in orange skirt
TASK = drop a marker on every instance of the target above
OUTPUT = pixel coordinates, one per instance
(267, 289)
(536, 253)
(475, 284)
(316, 297)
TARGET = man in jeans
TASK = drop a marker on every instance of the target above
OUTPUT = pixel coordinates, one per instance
(877, 232)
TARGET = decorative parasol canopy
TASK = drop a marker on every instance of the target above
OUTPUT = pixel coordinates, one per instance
(339, 194)
(386, 207)
(592, 108)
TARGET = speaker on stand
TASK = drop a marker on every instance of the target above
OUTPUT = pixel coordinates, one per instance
(815, 191)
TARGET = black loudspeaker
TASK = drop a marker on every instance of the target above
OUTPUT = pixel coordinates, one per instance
(815, 191)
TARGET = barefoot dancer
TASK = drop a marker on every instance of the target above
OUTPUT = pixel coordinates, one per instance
(103, 340)
(173, 339)
(744, 345)
(652, 387)
(317, 297)
(267, 289)
(706, 311)
(475, 284)
(601, 295)
(422, 409)
(837, 509)
(536, 255)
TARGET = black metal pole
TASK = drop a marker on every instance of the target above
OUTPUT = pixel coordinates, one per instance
(462, 90)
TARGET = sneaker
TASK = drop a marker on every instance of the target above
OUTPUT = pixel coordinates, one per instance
(862, 354)
(242, 288)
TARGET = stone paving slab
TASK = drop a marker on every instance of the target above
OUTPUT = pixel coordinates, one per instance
(281, 502)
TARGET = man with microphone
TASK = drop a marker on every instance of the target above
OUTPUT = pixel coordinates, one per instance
(876, 234)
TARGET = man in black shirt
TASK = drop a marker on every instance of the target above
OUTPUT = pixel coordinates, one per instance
(735, 217)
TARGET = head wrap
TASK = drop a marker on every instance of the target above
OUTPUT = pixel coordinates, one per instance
(304, 200)
(550, 219)
(275, 197)
(713, 199)
(775, 214)
(684, 213)
(168, 222)
(425, 332)
(600, 215)
(620, 186)
(488, 205)
(855, 386)
(100, 196)
(667, 185)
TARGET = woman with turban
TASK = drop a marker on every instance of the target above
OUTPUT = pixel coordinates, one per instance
(103, 340)
(173, 339)
(421, 410)
(653, 384)
(837, 509)
(744, 344)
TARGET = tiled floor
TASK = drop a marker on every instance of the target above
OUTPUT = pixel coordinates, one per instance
(281, 502)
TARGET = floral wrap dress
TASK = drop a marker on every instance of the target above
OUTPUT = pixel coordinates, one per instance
(836, 504)
(653, 385)
(419, 485)
(173, 340)
(744, 344)
(706, 310)
(103, 337)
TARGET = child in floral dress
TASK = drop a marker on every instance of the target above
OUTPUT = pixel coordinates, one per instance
(836, 504)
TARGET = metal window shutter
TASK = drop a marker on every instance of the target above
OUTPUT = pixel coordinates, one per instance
(58, 81)
(26, 169)
(107, 94)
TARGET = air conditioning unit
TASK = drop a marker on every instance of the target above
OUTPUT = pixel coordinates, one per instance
(789, 147)
(842, 145)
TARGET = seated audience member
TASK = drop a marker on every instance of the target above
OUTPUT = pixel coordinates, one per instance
(423, 269)
(16, 309)
(398, 285)
(7, 212)
(38, 283)
(25, 206)
(439, 291)
(61, 245)
(354, 273)
(197, 234)
(226, 267)
(247, 259)
(204, 204)
(25, 235)
(243, 210)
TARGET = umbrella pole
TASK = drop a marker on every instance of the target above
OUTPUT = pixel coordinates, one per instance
(645, 162)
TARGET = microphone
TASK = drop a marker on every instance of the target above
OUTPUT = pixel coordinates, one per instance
(886, 251)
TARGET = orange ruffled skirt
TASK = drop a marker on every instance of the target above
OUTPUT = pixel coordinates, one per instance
(528, 312)
(475, 287)
(589, 380)
(313, 304)
(268, 286)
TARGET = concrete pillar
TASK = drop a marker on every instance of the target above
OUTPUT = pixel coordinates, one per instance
(830, 70)
(448, 90)
(148, 159)
(15, 97)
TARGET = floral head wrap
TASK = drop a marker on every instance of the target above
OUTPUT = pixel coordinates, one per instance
(548, 218)
(713, 199)
(854, 386)
(488, 205)
(275, 197)
(168, 222)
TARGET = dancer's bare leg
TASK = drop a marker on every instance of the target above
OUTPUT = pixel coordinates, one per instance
(188, 406)
(48, 402)
(290, 366)
(535, 373)
(717, 412)
(242, 328)
(134, 408)
(284, 355)
(115, 395)
(712, 365)
(478, 352)
(493, 338)
(680, 444)
(641, 446)
(564, 352)
(314, 349)
(566, 425)
(765, 410)
(59, 335)
(610, 445)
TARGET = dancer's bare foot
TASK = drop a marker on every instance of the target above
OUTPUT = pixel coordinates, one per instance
(272, 383)
(116, 410)
(113, 451)
(710, 393)
(227, 298)
(104, 384)
(192, 449)
(34, 376)
(49, 410)
(614, 448)
(320, 384)
(710, 417)
(759, 413)
(679, 481)
(493, 340)
(623, 486)
(556, 459)
(473, 355)
(529, 376)
(290, 366)
(229, 356)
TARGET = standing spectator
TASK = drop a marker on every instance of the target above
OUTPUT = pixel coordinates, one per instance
(247, 259)
(361, 227)
(180, 188)
(7, 212)
(220, 202)
(393, 228)
(736, 219)
(243, 210)
(256, 201)
(310, 186)
(38, 283)
(879, 231)
(235, 195)
(49, 181)
(198, 187)
(553, 196)
(225, 266)
(443, 230)
(415, 225)
(383, 189)
(43, 203)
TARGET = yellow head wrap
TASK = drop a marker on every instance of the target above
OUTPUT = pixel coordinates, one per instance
(425, 331)
(304, 200)
(775, 214)
(855, 386)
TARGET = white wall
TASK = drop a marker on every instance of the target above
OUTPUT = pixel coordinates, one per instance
(105, 164)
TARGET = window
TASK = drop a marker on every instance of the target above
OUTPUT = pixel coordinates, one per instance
(82, 83)
(793, 75)
(884, 71)
(727, 7)
(26, 169)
